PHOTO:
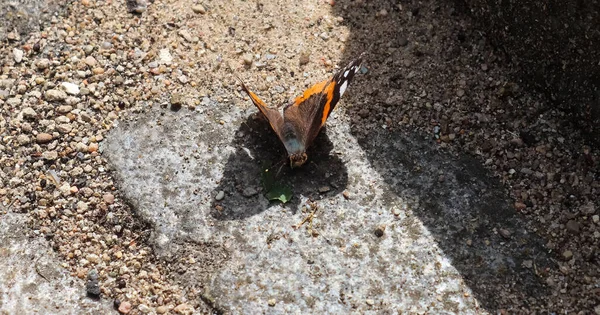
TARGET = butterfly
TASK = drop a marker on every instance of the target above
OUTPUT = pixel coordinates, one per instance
(299, 123)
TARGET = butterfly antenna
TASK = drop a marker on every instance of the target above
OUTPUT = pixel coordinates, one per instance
(282, 162)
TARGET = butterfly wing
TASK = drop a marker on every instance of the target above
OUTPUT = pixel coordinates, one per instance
(273, 116)
(312, 109)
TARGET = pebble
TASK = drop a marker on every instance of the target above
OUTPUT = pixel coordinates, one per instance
(70, 88)
(272, 302)
(64, 109)
(98, 71)
(90, 61)
(528, 264)
(109, 198)
(42, 138)
(588, 208)
(64, 128)
(247, 58)
(14, 101)
(82, 206)
(42, 64)
(249, 192)
(304, 58)
(28, 113)
(144, 308)
(220, 195)
(92, 286)
(17, 55)
(164, 56)
(93, 147)
(124, 307)
(370, 302)
(106, 45)
(162, 309)
(23, 139)
(324, 189)
(379, 230)
(182, 309)
(572, 226)
(567, 254)
(504, 233)
(186, 35)
(137, 6)
(199, 9)
(595, 218)
(55, 95)
(183, 79)
(176, 101)
(50, 155)
(382, 12)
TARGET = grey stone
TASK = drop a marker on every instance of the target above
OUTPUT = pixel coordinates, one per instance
(29, 113)
(572, 226)
(55, 95)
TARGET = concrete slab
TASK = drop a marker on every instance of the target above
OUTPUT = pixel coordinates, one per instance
(373, 245)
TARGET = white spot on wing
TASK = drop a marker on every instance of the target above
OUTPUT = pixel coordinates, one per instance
(343, 88)
(346, 73)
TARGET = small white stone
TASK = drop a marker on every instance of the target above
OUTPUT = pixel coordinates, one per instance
(165, 56)
(595, 218)
(18, 55)
(199, 9)
(70, 88)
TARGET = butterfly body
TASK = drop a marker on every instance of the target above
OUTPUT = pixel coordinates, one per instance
(301, 121)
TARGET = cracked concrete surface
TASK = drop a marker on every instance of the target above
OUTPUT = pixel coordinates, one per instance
(374, 245)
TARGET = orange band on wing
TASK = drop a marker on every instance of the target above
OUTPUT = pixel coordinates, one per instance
(256, 99)
(315, 89)
(329, 90)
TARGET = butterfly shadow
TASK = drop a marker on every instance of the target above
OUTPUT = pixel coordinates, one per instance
(257, 149)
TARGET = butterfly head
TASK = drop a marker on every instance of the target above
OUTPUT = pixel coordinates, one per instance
(298, 159)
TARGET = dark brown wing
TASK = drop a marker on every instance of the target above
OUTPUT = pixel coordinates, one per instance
(316, 104)
(272, 115)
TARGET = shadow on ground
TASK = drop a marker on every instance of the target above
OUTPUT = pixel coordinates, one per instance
(424, 53)
(257, 148)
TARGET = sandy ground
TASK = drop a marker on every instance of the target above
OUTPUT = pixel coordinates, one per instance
(428, 73)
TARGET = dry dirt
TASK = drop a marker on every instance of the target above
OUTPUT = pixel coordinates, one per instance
(428, 72)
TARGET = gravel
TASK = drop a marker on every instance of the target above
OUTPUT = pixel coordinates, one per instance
(69, 83)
